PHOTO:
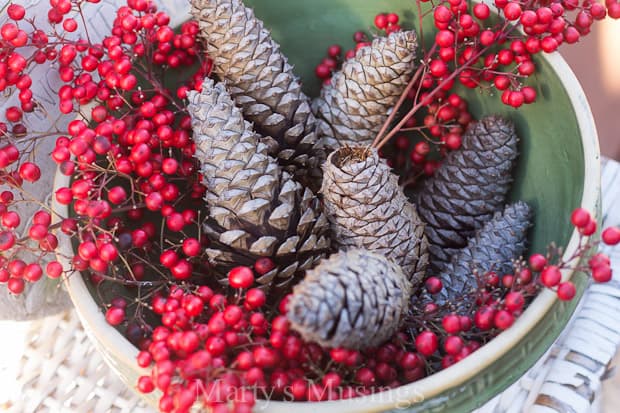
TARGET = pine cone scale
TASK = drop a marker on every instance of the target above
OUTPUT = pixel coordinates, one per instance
(366, 208)
(352, 109)
(493, 248)
(469, 187)
(262, 83)
(256, 208)
(355, 299)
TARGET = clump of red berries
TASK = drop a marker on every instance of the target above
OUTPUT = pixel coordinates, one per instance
(446, 333)
(211, 347)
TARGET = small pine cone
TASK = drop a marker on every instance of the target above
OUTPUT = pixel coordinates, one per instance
(262, 83)
(367, 209)
(468, 188)
(354, 299)
(354, 107)
(256, 209)
(493, 248)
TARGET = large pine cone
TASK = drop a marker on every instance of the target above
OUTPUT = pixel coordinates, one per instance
(468, 188)
(366, 208)
(352, 109)
(262, 83)
(354, 299)
(493, 248)
(256, 209)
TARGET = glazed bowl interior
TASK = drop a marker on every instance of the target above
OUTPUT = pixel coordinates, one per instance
(558, 170)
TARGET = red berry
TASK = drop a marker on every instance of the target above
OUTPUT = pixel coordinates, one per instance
(482, 11)
(241, 277)
(393, 18)
(175, 222)
(549, 44)
(255, 298)
(580, 217)
(503, 319)
(514, 301)
(487, 37)
(589, 229)
(182, 270)
(108, 252)
(566, 291)
(29, 172)
(611, 236)
(512, 11)
(442, 14)
(191, 247)
(483, 318)
(53, 269)
(445, 38)
(334, 51)
(365, 377)
(453, 345)
(145, 384)
(263, 265)
(16, 285)
(11, 219)
(69, 25)
(451, 324)
(115, 316)
(16, 12)
(265, 357)
(433, 285)
(232, 314)
(438, 68)
(537, 262)
(381, 21)
(322, 71)
(426, 343)
(33, 272)
(601, 273)
(551, 276)
(529, 94)
(359, 37)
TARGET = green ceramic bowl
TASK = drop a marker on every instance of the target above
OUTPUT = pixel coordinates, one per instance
(558, 170)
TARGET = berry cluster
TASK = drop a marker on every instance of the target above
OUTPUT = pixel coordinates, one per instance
(446, 333)
(132, 166)
(225, 351)
(480, 51)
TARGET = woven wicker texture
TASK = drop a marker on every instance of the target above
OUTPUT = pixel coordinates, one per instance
(60, 371)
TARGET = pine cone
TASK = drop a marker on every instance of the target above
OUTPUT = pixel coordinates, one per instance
(468, 188)
(262, 83)
(493, 248)
(366, 208)
(352, 109)
(354, 299)
(256, 209)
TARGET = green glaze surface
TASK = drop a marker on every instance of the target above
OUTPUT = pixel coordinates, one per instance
(549, 176)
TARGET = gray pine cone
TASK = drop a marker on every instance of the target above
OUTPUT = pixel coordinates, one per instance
(493, 248)
(468, 188)
(352, 109)
(354, 299)
(256, 209)
(262, 83)
(366, 208)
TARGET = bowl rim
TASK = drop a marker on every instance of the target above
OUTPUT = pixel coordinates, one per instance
(100, 331)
